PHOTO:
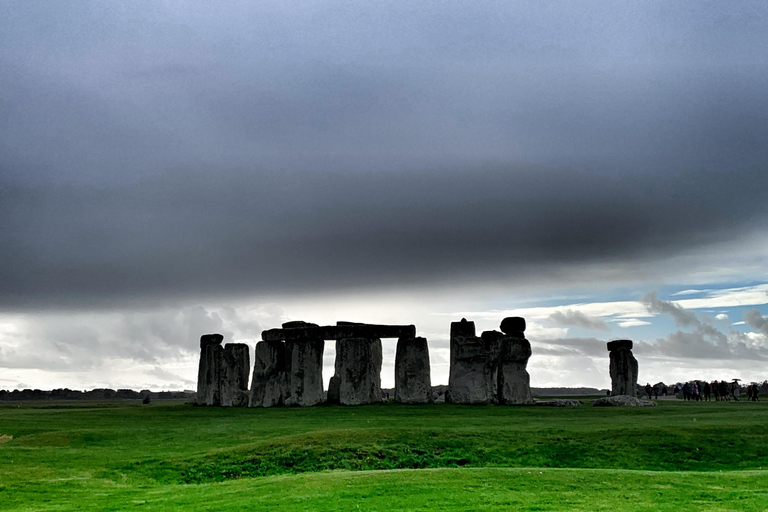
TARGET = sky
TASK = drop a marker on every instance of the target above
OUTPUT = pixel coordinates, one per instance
(170, 169)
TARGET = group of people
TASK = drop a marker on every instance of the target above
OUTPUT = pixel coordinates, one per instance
(722, 391)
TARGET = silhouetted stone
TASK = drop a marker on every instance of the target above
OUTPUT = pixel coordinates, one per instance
(617, 344)
(298, 323)
(358, 367)
(413, 384)
(514, 382)
(146, 400)
(306, 372)
(623, 368)
(209, 370)
(210, 339)
(235, 368)
(469, 374)
(512, 326)
(269, 384)
(340, 331)
(334, 390)
(622, 401)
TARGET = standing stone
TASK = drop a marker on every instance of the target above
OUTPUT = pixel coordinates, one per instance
(514, 384)
(623, 368)
(235, 368)
(305, 372)
(269, 384)
(358, 368)
(492, 342)
(334, 390)
(469, 374)
(412, 380)
(209, 369)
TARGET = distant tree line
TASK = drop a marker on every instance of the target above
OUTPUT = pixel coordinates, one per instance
(94, 394)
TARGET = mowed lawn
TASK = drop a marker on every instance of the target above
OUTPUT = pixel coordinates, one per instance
(170, 456)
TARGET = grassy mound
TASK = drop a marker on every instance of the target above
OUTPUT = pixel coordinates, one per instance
(96, 456)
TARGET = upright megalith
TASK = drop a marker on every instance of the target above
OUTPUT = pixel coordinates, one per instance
(623, 368)
(235, 368)
(492, 343)
(469, 374)
(222, 375)
(305, 377)
(413, 384)
(491, 368)
(514, 383)
(209, 370)
(269, 384)
(303, 365)
(358, 370)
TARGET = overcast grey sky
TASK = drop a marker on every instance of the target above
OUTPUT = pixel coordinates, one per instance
(172, 158)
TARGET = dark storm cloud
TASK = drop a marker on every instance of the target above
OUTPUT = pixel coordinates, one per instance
(362, 130)
(92, 91)
(212, 234)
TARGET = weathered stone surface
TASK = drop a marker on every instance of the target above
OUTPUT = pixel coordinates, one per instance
(209, 370)
(413, 383)
(492, 341)
(469, 379)
(514, 386)
(305, 376)
(269, 385)
(622, 400)
(513, 325)
(235, 368)
(623, 368)
(617, 344)
(558, 402)
(334, 390)
(340, 331)
(358, 367)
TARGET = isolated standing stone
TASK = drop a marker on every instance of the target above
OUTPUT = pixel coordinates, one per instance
(358, 368)
(623, 368)
(269, 383)
(469, 374)
(209, 370)
(514, 381)
(413, 384)
(235, 368)
(305, 371)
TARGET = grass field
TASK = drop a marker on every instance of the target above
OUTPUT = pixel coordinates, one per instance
(169, 456)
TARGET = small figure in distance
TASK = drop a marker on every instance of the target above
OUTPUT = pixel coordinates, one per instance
(735, 390)
(707, 390)
(724, 394)
(648, 390)
(146, 400)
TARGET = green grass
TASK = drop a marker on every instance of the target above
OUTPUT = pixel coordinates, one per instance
(681, 456)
